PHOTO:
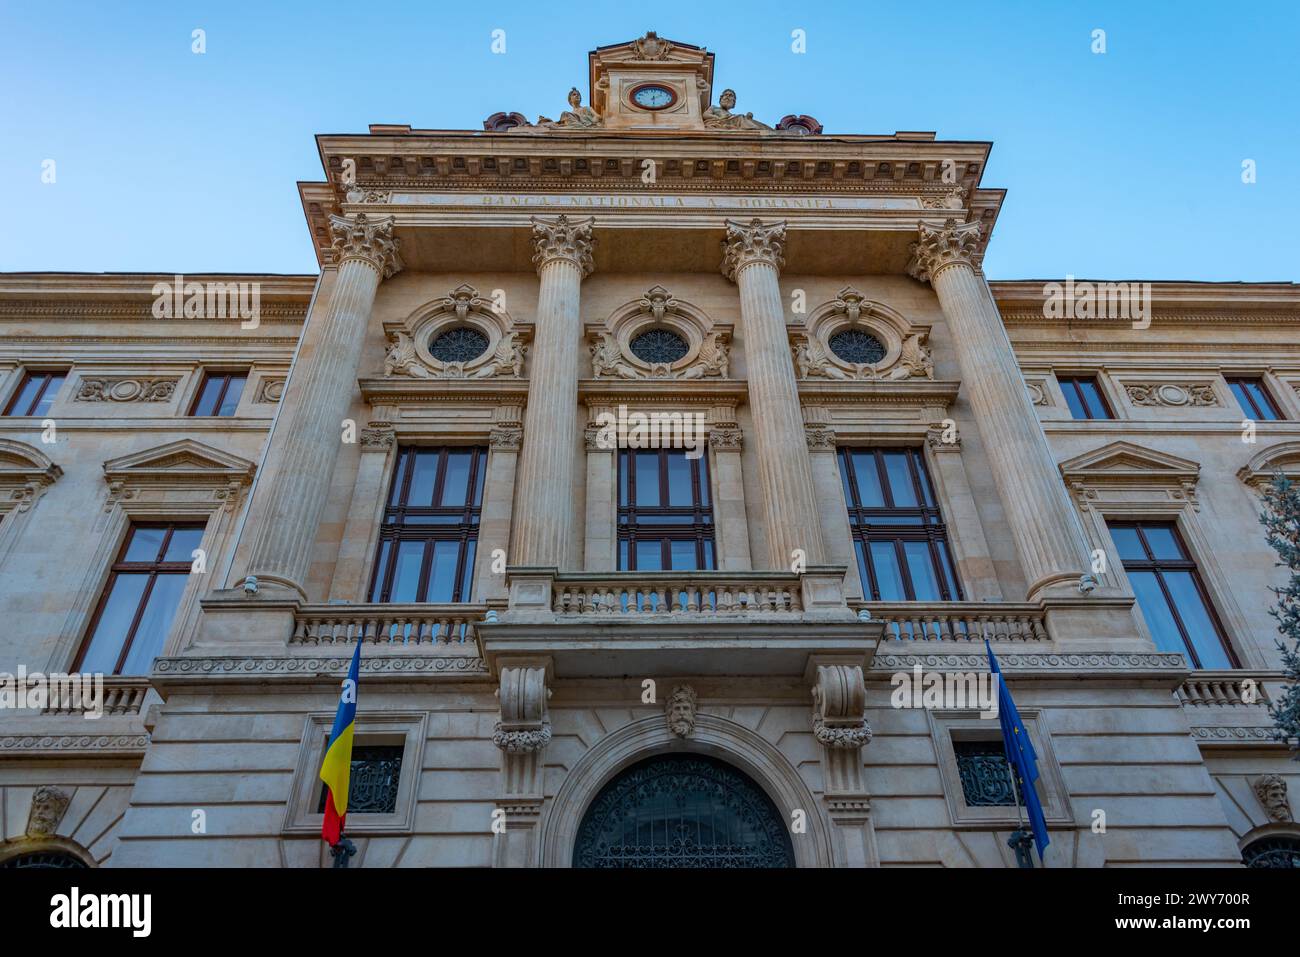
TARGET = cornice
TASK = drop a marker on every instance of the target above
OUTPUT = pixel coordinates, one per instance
(128, 309)
(234, 668)
(1059, 665)
(82, 744)
(895, 392)
(705, 392)
(405, 390)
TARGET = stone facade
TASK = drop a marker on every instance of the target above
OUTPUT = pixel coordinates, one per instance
(554, 245)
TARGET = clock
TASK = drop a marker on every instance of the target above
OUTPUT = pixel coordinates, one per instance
(653, 96)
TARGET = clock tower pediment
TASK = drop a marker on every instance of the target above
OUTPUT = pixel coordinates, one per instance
(651, 83)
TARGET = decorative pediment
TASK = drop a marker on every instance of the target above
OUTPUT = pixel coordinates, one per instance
(1259, 471)
(463, 335)
(182, 465)
(1122, 467)
(852, 337)
(659, 337)
(25, 473)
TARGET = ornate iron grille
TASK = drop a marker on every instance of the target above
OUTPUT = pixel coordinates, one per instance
(1280, 852)
(372, 782)
(45, 860)
(659, 345)
(459, 345)
(684, 811)
(854, 345)
(985, 774)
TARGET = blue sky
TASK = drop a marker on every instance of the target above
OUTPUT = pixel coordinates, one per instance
(1120, 165)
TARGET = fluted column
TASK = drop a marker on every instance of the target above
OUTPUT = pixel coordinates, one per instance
(544, 508)
(752, 258)
(1044, 525)
(320, 390)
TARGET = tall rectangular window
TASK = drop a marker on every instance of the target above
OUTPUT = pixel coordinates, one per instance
(430, 527)
(140, 600)
(1171, 594)
(220, 393)
(1083, 396)
(665, 513)
(36, 393)
(898, 530)
(1254, 399)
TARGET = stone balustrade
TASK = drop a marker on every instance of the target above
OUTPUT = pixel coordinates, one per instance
(958, 620)
(395, 624)
(1226, 688)
(123, 694)
(705, 594)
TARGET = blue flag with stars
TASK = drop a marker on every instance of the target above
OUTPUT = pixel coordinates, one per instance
(1021, 756)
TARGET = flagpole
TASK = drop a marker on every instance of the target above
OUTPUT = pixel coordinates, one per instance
(1019, 839)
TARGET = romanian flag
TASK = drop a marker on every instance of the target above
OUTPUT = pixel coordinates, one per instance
(336, 769)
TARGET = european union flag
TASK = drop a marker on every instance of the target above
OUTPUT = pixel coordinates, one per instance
(1021, 756)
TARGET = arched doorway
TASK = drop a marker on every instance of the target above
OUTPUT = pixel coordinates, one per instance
(682, 811)
(44, 860)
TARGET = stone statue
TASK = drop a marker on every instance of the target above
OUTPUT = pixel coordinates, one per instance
(680, 712)
(579, 117)
(720, 117)
(914, 362)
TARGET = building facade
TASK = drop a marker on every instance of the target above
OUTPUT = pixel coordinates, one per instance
(650, 453)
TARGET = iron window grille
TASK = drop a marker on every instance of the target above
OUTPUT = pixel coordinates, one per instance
(1171, 594)
(373, 779)
(459, 345)
(856, 346)
(898, 531)
(658, 345)
(430, 526)
(985, 774)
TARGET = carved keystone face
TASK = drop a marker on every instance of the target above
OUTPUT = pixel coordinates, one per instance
(681, 712)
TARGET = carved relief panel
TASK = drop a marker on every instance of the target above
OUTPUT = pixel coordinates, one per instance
(463, 335)
(659, 337)
(851, 337)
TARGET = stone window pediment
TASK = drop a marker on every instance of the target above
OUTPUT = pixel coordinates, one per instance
(25, 473)
(852, 337)
(1259, 471)
(186, 466)
(1121, 470)
(659, 337)
(463, 335)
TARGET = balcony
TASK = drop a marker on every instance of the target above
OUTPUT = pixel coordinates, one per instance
(1230, 708)
(387, 626)
(958, 620)
(693, 594)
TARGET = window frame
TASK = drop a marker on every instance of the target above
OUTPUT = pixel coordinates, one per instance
(155, 568)
(227, 375)
(27, 376)
(1069, 381)
(1188, 564)
(694, 528)
(1244, 381)
(466, 531)
(931, 527)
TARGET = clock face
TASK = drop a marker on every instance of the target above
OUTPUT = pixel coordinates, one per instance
(652, 96)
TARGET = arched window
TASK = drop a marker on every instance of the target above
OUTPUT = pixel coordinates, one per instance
(1280, 850)
(682, 811)
(45, 860)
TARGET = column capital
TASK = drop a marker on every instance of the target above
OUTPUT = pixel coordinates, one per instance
(367, 240)
(821, 438)
(563, 239)
(940, 246)
(726, 437)
(755, 242)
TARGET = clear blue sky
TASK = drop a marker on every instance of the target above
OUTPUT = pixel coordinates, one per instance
(1121, 165)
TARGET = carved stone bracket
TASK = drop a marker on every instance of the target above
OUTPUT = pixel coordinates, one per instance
(839, 706)
(939, 247)
(523, 730)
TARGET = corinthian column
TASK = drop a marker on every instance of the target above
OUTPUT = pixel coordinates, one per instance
(544, 506)
(320, 391)
(1044, 525)
(751, 258)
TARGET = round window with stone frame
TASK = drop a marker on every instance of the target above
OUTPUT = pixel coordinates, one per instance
(857, 347)
(458, 344)
(658, 346)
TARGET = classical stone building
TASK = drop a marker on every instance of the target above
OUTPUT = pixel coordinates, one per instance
(642, 449)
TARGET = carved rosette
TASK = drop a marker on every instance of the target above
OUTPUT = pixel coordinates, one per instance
(563, 240)
(745, 245)
(939, 247)
(366, 240)
(839, 707)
